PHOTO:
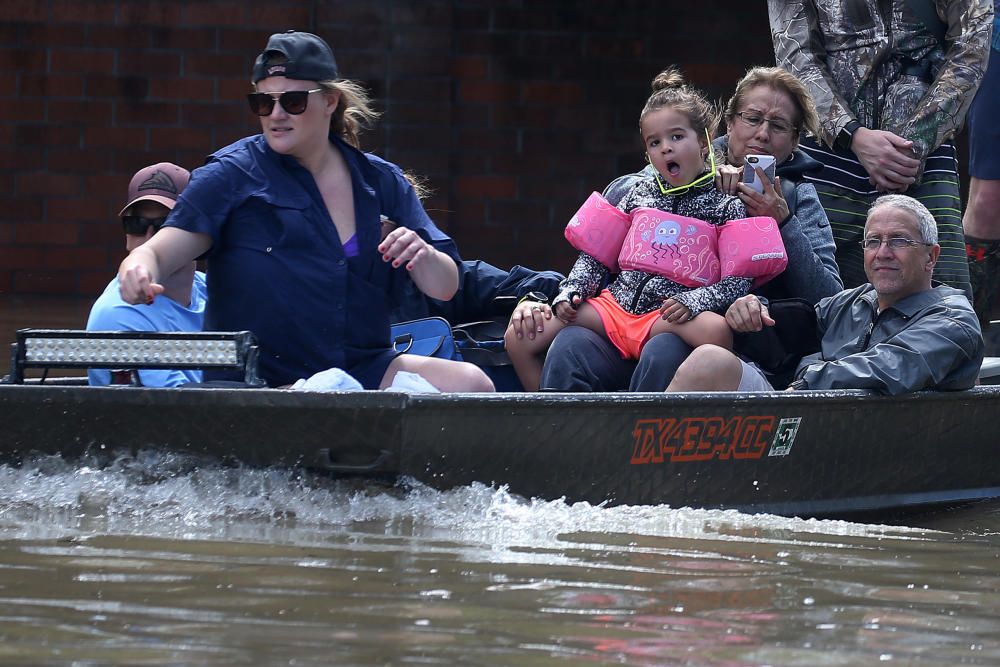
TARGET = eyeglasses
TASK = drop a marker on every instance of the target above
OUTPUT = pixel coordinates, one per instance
(137, 225)
(293, 102)
(754, 119)
(894, 243)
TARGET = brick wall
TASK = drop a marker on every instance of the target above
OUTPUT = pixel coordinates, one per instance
(513, 110)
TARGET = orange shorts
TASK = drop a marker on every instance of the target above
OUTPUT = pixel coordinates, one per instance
(626, 331)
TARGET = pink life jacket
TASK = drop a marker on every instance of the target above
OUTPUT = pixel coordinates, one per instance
(598, 229)
(687, 250)
(752, 248)
(677, 247)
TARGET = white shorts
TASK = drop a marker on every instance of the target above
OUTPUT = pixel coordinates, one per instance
(753, 379)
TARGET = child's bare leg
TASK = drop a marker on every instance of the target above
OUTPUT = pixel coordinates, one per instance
(705, 328)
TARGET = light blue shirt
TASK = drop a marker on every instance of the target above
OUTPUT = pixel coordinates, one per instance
(110, 313)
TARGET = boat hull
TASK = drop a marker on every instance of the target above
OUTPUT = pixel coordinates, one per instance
(798, 453)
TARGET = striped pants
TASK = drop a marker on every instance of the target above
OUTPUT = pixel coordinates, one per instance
(846, 195)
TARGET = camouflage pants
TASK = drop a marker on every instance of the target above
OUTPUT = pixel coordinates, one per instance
(984, 272)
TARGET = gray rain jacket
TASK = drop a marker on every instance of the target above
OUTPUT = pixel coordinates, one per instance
(929, 340)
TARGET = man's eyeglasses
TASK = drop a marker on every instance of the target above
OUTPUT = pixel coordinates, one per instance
(293, 102)
(895, 243)
(136, 225)
(754, 119)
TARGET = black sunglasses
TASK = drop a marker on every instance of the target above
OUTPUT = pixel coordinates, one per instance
(292, 101)
(137, 225)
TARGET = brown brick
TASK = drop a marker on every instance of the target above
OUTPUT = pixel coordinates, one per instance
(47, 184)
(24, 11)
(21, 257)
(143, 113)
(222, 114)
(470, 67)
(70, 210)
(43, 282)
(78, 257)
(151, 14)
(183, 88)
(82, 60)
(485, 187)
(97, 136)
(23, 60)
(20, 159)
(20, 207)
(69, 111)
(120, 37)
(182, 139)
(174, 36)
(133, 87)
(488, 91)
(46, 233)
(66, 159)
(149, 63)
(85, 11)
(217, 64)
(51, 85)
(214, 13)
(551, 93)
(281, 14)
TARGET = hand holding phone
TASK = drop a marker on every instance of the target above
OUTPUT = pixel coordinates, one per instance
(765, 162)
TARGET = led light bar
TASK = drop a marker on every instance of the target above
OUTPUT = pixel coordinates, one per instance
(129, 350)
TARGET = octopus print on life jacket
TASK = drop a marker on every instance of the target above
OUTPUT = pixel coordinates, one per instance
(687, 250)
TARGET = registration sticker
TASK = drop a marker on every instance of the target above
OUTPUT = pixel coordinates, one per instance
(784, 436)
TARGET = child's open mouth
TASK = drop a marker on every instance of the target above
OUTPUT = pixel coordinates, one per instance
(673, 169)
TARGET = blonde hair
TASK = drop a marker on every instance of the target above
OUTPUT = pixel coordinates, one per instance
(779, 79)
(670, 90)
(354, 113)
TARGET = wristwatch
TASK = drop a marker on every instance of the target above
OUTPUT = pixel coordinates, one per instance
(798, 384)
(540, 297)
(846, 135)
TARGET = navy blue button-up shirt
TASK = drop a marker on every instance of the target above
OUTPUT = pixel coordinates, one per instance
(278, 269)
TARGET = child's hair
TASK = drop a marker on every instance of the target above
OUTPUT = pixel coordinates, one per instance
(670, 90)
(779, 79)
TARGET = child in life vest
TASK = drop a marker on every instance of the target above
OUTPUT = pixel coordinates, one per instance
(639, 303)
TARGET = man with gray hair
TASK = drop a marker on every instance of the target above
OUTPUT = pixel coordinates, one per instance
(893, 335)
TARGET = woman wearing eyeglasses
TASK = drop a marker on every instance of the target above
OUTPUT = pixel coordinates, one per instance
(671, 249)
(768, 112)
(289, 221)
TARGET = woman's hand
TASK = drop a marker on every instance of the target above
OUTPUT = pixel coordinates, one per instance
(770, 203)
(403, 244)
(748, 314)
(675, 311)
(727, 178)
(529, 318)
(136, 285)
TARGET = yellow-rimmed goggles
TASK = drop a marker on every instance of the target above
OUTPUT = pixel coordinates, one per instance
(701, 180)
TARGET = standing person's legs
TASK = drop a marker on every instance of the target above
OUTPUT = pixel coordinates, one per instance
(982, 215)
(580, 359)
(939, 192)
(661, 356)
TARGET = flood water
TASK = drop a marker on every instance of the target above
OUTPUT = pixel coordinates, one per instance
(158, 560)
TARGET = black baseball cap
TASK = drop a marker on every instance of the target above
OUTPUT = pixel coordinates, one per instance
(299, 55)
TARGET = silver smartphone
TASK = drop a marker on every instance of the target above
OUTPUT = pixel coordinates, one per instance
(765, 162)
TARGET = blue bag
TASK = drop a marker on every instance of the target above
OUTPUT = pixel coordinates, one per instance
(428, 337)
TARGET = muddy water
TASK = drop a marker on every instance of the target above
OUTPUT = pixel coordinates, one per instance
(160, 561)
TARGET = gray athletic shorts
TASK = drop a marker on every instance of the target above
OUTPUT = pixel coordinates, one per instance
(753, 379)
